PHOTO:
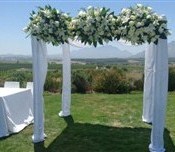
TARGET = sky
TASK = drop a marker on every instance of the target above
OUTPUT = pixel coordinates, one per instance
(14, 16)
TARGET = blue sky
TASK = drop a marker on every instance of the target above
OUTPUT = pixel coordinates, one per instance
(15, 15)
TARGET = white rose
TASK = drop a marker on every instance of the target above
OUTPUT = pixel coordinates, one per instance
(160, 18)
(65, 14)
(139, 5)
(131, 23)
(74, 22)
(138, 24)
(25, 29)
(34, 15)
(56, 23)
(89, 7)
(148, 17)
(155, 23)
(82, 13)
(96, 13)
(123, 10)
(149, 8)
(133, 17)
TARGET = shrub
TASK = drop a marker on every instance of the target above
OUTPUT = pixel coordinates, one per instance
(111, 81)
(138, 85)
(80, 82)
(171, 81)
(53, 82)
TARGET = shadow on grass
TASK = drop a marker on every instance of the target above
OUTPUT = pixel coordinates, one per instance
(98, 138)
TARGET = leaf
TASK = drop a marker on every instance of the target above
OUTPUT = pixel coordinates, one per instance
(100, 41)
(95, 43)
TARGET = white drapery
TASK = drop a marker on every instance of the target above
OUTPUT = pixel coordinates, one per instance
(155, 92)
(160, 89)
(39, 55)
(155, 95)
(66, 86)
(148, 85)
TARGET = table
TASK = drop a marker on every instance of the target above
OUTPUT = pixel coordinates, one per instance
(16, 110)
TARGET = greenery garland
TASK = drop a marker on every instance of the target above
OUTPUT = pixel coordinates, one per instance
(138, 25)
(49, 25)
(95, 25)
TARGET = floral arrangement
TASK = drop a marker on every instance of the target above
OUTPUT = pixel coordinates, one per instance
(95, 25)
(140, 24)
(49, 25)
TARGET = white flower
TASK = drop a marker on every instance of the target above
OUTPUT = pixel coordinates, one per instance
(96, 12)
(138, 24)
(148, 16)
(89, 7)
(123, 10)
(149, 8)
(131, 23)
(82, 13)
(139, 5)
(133, 17)
(25, 29)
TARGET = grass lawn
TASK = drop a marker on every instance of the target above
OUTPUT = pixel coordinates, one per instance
(102, 123)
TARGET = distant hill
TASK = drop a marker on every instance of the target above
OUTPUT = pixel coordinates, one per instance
(107, 51)
(171, 51)
(103, 52)
(138, 55)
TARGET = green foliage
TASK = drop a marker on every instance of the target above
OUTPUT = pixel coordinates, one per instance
(171, 81)
(138, 85)
(80, 81)
(111, 81)
(53, 82)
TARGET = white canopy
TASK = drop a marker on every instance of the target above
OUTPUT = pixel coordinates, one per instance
(155, 89)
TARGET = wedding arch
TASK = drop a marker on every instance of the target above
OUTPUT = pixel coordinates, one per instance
(93, 26)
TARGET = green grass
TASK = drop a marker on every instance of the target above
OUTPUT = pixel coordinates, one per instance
(102, 123)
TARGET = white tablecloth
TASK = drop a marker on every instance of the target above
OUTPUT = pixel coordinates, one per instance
(16, 110)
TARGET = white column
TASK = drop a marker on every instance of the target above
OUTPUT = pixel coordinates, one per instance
(160, 89)
(66, 86)
(148, 85)
(39, 55)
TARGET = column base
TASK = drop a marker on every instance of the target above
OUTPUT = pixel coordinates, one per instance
(39, 139)
(153, 149)
(61, 114)
(146, 120)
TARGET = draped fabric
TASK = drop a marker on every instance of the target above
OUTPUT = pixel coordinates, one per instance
(66, 86)
(155, 94)
(39, 54)
(148, 84)
(157, 87)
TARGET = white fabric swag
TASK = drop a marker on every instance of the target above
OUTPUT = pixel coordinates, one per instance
(39, 54)
(66, 87)
(155, 92)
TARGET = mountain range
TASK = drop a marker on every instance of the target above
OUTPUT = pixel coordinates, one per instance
(171, 51)
(102, 52)
(107, 51)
